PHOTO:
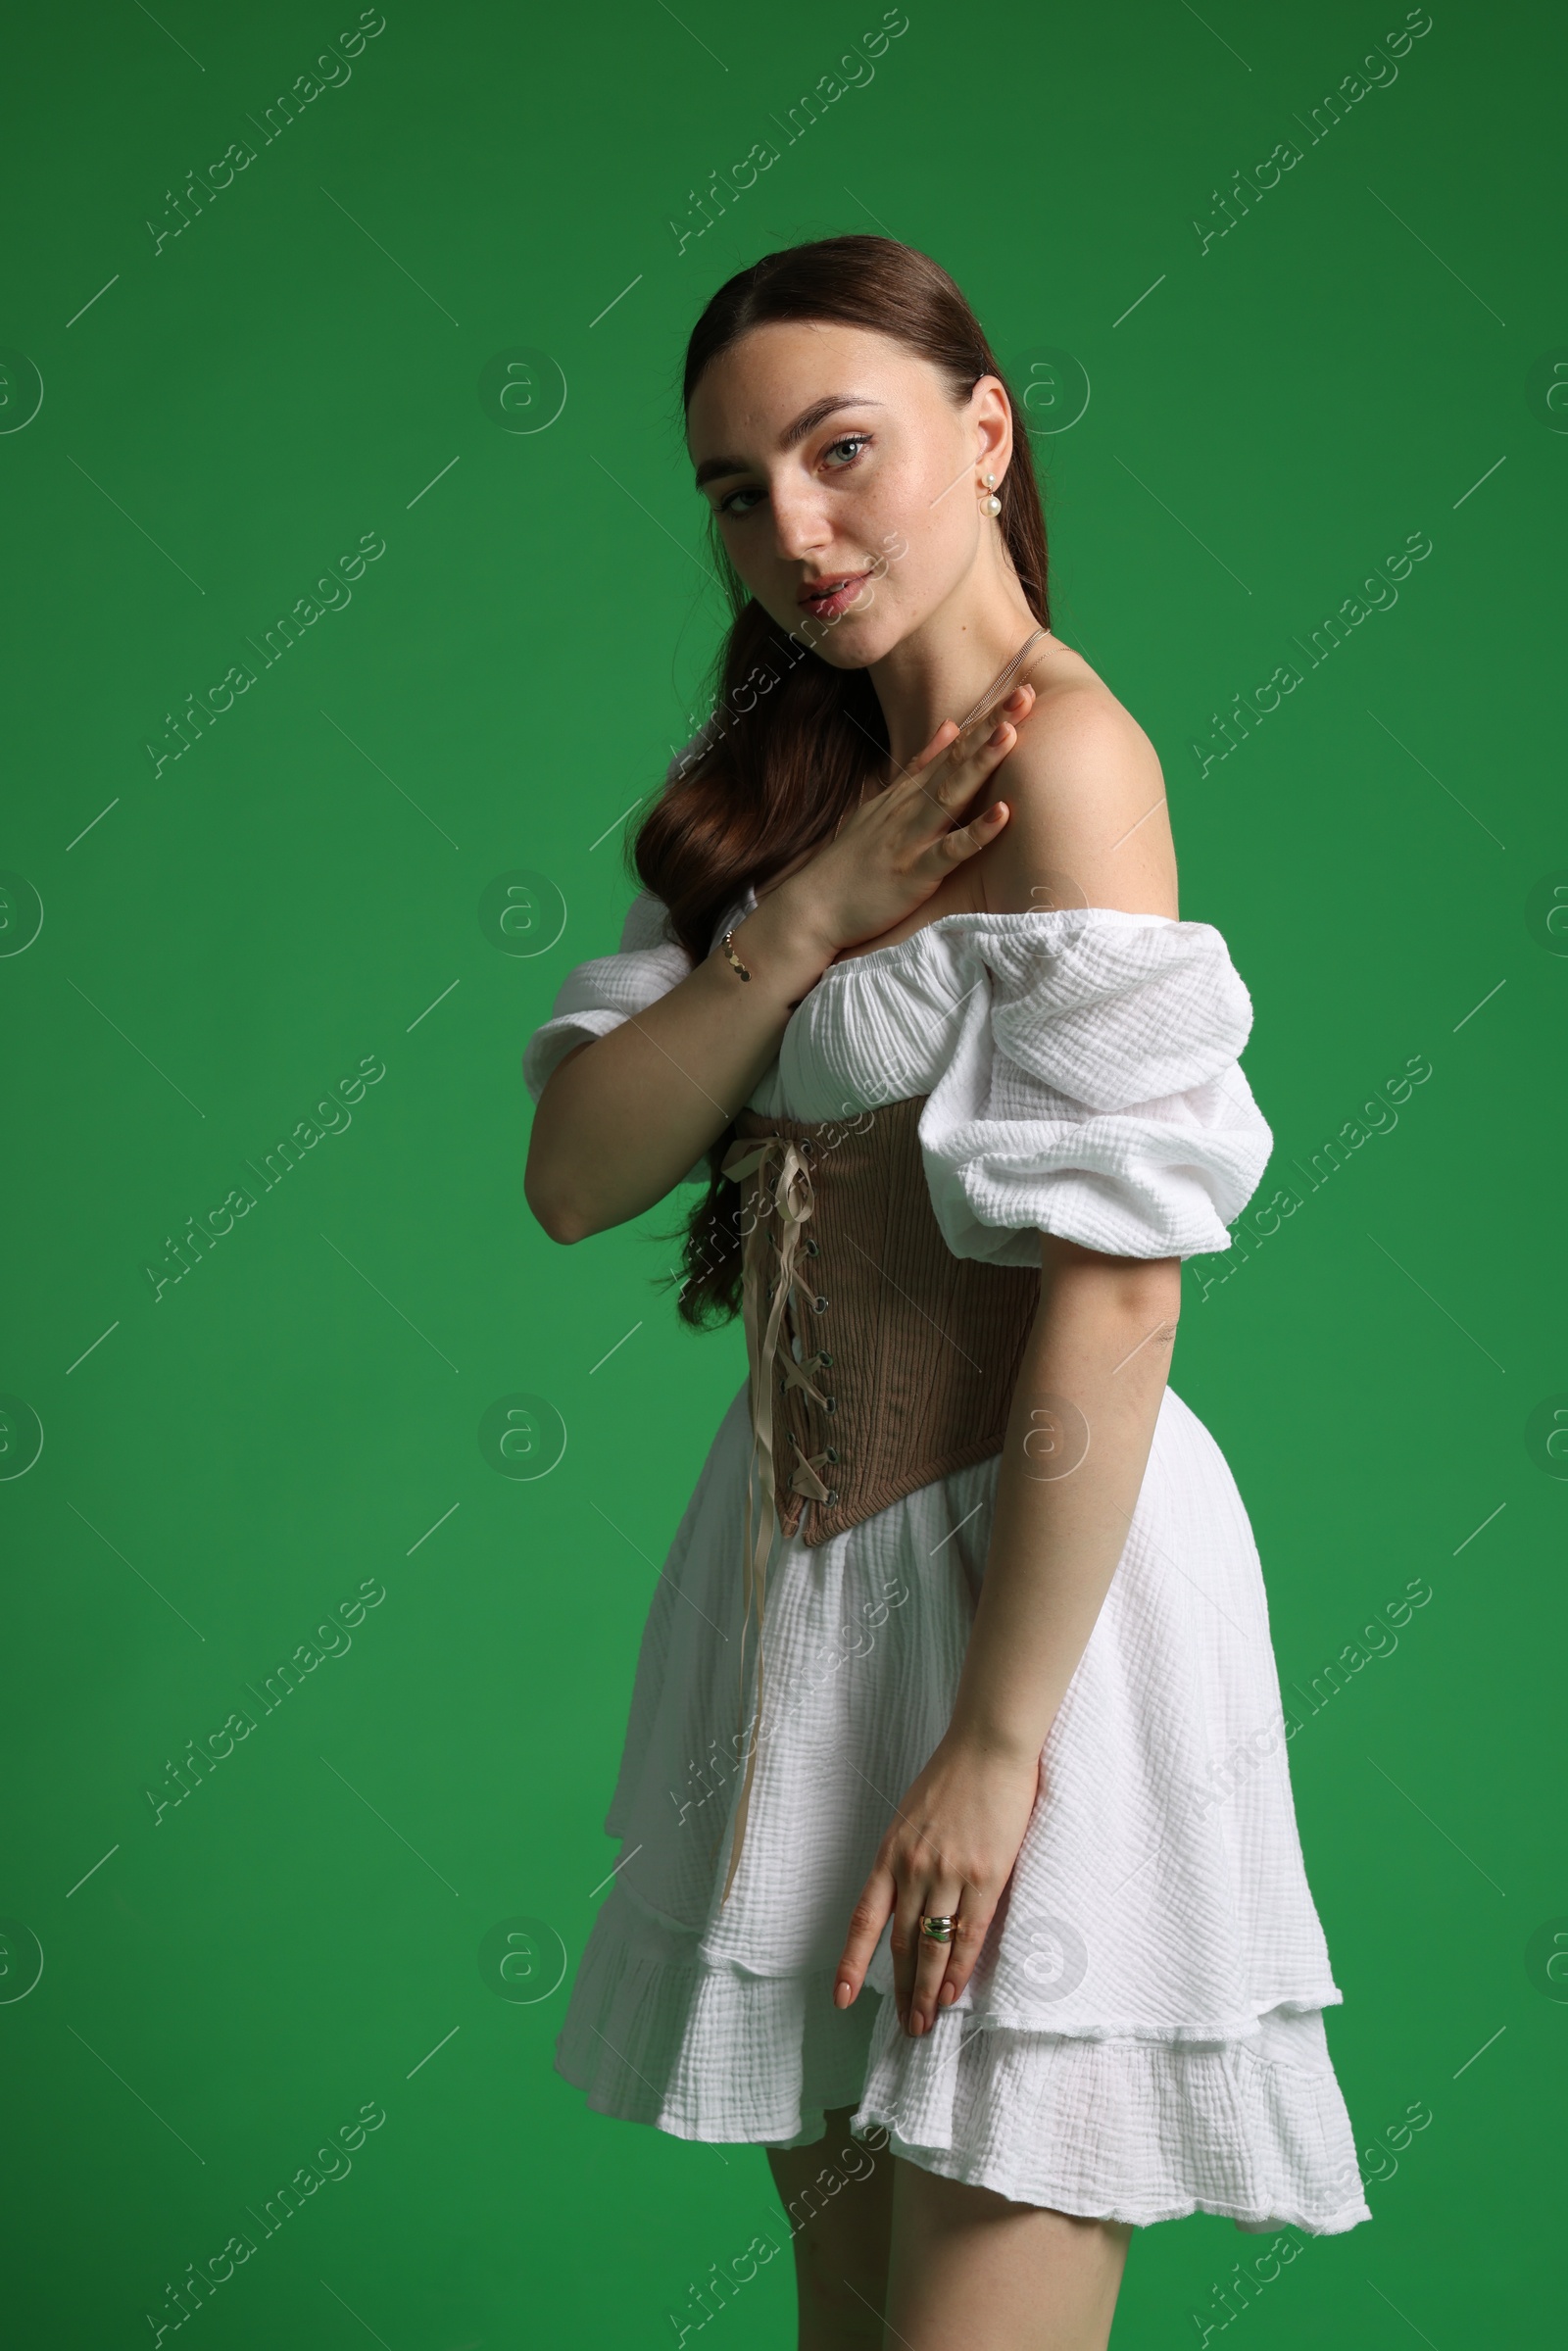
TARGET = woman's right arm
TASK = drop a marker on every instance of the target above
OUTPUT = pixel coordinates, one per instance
(625, 1116)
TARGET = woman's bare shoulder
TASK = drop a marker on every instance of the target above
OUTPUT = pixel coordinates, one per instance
(1088, 822)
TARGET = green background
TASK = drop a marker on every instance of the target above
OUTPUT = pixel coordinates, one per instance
(225, 1986)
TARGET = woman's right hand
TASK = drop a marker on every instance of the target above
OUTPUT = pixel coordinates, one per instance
(625, 1115)
(896, 849)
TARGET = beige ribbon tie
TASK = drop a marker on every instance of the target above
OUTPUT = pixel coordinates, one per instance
(793, 1200)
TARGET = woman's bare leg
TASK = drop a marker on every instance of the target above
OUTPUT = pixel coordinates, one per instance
(839, 2197)
(972, 2272)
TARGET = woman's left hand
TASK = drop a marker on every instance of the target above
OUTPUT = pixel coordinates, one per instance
(950, 1853)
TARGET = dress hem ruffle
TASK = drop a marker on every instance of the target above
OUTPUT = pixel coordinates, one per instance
(1062, 2199)
(1249, 2127)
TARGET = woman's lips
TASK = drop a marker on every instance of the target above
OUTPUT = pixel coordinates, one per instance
(834, 600)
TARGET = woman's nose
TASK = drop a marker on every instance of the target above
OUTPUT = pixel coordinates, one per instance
(801, 527)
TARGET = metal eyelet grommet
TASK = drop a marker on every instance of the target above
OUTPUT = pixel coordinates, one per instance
(830, 1403)
(807, 1147)
(812, 1250)
(825, 1358)
(832, 1496)
(819, 1305)
(831, 1455)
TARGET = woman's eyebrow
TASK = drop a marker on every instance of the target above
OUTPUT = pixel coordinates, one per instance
(717, 468)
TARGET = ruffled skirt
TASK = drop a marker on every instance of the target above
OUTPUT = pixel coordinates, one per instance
(1143, 2036)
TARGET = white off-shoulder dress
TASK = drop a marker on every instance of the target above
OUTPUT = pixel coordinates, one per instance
(1144, 2036)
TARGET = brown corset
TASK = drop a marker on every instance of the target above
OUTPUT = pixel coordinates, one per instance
(908, 1355)
(879, 1361)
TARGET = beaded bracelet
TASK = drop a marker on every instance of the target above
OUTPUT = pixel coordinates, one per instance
(734, 958)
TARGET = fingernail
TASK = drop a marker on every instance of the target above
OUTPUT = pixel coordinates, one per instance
(843, 1994)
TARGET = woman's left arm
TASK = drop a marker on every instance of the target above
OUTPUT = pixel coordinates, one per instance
(1087, 799)
(1078, 1437)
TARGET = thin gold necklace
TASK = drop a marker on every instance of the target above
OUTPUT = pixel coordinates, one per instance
(1003, 677)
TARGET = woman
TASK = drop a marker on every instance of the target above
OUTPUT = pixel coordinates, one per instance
(954, 1797)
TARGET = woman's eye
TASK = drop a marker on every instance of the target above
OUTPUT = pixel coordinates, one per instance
(839, 454)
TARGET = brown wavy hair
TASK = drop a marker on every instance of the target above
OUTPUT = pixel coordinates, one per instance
(792, 742)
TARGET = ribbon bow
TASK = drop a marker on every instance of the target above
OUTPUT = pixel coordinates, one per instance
(790, 1196)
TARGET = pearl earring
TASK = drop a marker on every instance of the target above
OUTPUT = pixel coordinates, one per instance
(993, 504)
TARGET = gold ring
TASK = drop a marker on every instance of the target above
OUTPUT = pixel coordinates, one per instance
(937, 1930)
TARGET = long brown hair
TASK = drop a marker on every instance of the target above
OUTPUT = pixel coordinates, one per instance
(792, 742)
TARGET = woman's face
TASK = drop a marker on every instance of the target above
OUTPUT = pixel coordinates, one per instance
(846, 480)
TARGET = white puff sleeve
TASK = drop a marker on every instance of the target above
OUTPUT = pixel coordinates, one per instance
(1095, 1091)
(598, 996)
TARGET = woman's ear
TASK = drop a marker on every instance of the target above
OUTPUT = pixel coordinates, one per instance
(992, 425)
